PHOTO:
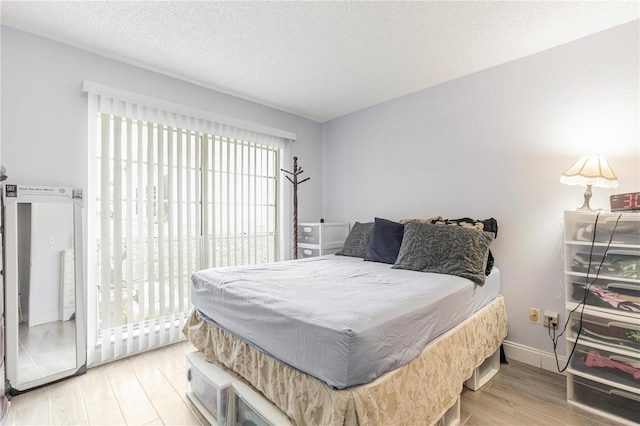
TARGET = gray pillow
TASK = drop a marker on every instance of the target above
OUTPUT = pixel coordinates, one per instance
(452, 250)
(386, 238)
(357, 241)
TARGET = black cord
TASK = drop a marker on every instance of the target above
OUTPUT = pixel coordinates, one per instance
(582, 303)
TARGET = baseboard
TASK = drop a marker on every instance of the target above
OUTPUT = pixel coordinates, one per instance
(35, 320)
(532, 356)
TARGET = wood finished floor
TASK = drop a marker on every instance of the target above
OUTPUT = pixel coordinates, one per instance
(523, 395)
(149, 389)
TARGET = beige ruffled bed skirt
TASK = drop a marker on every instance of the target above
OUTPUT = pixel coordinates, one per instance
(418, 393)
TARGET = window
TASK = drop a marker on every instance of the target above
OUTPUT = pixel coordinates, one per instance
(169, 200)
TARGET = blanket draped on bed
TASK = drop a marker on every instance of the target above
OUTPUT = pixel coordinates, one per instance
(418, 393)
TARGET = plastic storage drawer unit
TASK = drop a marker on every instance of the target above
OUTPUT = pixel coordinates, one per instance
(608, 331)
(321, 238)
(602, 364)
(601, 270)
(309, 234)
(623, 406)
(209, 388)
(249, 407)
(307, 252)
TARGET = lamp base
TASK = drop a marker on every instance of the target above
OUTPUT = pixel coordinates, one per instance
(587, 197)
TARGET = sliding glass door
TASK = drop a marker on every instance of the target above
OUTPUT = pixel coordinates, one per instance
(170, 201)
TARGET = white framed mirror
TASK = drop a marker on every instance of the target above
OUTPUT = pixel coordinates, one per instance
(45, 312)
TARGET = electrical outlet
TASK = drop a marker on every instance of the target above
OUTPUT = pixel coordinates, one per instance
(534, 315)
(550, 319)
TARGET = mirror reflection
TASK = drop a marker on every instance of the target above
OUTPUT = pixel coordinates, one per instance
(44, 286)
(46, 293)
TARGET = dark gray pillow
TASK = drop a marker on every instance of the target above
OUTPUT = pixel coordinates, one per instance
(452, 250)
(386, 238)
(357, 241)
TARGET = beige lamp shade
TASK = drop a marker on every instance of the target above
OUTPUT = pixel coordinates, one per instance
(590, 170)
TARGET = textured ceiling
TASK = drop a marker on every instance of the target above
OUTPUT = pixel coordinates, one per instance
(320, 60)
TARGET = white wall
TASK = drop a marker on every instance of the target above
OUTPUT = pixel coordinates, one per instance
(495, 144)
(44, 114)
(51, 234)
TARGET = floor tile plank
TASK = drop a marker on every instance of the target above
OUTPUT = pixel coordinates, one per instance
(32, 408)
(96, 385)
(133, 401)
(173, 411)
(67, 403)
(105, 412)
(154, 383)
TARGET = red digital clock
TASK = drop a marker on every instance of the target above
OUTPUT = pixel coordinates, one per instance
(624, 202)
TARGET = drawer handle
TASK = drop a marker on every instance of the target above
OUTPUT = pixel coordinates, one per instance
(624, 394)
(306, 251)
(307, 229)
(630, 361)
(624, 325)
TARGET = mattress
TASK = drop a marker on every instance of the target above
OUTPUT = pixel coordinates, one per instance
(339, 319)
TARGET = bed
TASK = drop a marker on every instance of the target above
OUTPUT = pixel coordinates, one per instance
(337, 340)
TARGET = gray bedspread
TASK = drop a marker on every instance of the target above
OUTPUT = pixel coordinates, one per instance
(339, 319)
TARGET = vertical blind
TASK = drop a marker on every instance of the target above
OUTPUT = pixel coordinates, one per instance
(172, 194)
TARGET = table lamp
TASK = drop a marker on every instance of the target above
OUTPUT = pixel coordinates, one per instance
(590, 170)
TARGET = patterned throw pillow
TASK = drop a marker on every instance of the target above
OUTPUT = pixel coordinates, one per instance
(488, 225)
(357, 241)
(453, 250)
